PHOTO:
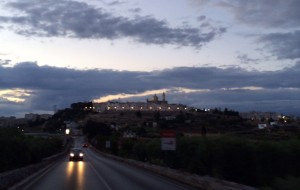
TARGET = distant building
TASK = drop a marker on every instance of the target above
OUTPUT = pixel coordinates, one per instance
(155, 100)
(150, 105)
(34, 116)
(260, 115)
(262, 126)
(45, 116)
(11, 121)
(129, 134)
(31, 116)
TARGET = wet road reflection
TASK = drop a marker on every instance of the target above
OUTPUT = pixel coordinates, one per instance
(98, 172)
(75, 173)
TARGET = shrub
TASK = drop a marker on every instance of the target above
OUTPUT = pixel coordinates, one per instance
(19, 150)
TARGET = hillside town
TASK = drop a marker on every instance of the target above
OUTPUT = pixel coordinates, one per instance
(175, 136)
(154, 105)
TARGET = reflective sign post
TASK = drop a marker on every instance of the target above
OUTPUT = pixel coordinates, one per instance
(168, 144)
(168, 140)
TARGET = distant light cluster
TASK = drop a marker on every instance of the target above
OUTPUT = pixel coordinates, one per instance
(151, 105)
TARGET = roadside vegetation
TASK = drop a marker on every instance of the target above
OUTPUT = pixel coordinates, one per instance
(256, 163)
(218, 143)
(18, 150)
(268, 159)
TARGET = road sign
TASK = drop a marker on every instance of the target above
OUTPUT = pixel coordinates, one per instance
(168, 140)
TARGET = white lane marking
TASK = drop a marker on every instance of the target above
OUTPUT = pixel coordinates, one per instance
(99, 176)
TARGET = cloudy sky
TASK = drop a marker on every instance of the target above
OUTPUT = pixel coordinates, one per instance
(239, 54)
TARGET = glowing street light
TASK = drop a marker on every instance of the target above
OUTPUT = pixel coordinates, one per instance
(67, 131)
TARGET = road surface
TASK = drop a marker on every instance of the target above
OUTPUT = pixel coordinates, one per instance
(99, 173)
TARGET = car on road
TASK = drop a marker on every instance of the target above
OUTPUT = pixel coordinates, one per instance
(76, 154)
(85, 145)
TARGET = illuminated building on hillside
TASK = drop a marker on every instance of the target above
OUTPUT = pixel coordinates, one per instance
(156, 100)
(150, 105)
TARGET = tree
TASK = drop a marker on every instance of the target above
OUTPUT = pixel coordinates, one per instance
(93, 129)
(52, 125)
(138, 114)
(156, 116)
(82, 105)
(180, 117)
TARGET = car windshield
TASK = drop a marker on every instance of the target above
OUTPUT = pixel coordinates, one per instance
(76, 150)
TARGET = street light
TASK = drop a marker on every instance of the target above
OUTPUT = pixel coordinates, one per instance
(67, 131)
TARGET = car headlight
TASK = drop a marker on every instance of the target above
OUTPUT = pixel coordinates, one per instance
(81, 154)
(72, 154)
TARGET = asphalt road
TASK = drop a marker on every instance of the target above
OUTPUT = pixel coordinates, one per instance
(99, 173)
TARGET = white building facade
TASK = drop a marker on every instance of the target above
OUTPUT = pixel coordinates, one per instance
(150, 105)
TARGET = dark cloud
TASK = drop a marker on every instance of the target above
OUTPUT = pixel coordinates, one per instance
(29, 75)
(283, 45)
(201, 18)
(200, 2)
(74, 19)
(266, 13)
(211, 77)
(136, 10)
(231, 87)
(114, 3)
(245, 59)
(284, 101)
